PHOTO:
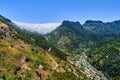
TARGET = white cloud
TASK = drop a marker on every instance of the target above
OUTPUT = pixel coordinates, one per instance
(40, 28)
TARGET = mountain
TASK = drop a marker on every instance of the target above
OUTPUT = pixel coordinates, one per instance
(70, 51)
(74, 40)
(28, 56)
(105, 55)
(71, 37)
(106, 58)
(109, 29)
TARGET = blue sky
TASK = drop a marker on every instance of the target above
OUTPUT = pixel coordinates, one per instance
(44, 11)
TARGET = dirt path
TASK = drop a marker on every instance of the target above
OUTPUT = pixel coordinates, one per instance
(53, 62)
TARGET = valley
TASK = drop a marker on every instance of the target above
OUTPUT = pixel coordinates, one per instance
(71, 51)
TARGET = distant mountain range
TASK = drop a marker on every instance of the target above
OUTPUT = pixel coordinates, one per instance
(59, 51)
(108, 29)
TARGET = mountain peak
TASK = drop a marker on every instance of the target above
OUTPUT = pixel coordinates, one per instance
(94, 22)
(117, 21)
(71, 22)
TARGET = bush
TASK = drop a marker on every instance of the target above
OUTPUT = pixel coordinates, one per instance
(2, 53)
(27, 59)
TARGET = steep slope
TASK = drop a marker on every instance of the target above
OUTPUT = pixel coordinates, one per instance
(75, 41)
(82, 63)
(71, 37)
(109, 29)
(24, 57)
(106, 58)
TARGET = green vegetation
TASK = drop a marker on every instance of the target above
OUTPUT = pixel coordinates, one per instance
(72, 38)
(26, 56)
(36, 39)
(106, 58)
(64, 76)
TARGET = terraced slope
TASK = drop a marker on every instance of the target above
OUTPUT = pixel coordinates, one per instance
(22, 58)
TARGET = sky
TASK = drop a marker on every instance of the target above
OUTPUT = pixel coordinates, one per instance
(47, 11)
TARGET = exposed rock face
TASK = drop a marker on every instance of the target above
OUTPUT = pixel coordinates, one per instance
(4, 30)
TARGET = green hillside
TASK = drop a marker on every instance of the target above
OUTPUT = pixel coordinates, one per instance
(71, 37)
(28, 56)
(106, 58)
(71, 52)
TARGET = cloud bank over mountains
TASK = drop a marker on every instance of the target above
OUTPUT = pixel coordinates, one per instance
(40, 28)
